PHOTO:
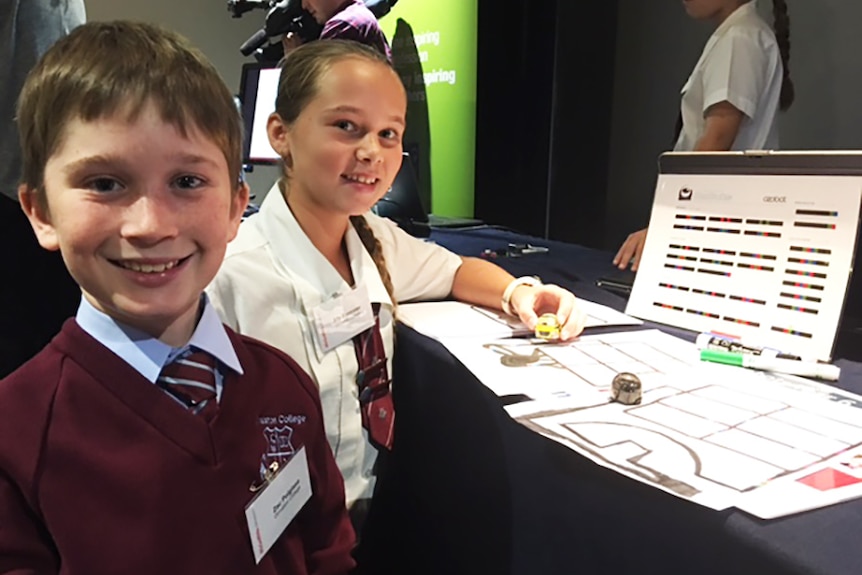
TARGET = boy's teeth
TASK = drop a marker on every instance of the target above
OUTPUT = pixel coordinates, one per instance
(149, 268)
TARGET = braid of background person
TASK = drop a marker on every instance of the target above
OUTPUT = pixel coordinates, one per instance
(372, 244)
(781, 25)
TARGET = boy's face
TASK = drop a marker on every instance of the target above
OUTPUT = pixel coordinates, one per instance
(141, 215)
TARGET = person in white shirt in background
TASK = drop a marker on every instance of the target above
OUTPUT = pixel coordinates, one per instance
(732, 97)
(340, 116)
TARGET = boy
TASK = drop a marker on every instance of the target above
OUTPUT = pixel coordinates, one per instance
(123, 447)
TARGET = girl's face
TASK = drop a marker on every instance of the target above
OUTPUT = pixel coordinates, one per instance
(343, 151)
(716, 10)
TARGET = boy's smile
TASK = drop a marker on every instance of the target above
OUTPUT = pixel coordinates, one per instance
(141, 214)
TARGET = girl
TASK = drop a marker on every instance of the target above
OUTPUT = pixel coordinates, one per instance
(305, 272)
(732, 98)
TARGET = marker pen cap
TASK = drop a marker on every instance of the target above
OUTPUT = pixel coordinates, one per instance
(725, 357)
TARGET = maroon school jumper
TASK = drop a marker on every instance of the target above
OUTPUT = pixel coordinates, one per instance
(102, 473)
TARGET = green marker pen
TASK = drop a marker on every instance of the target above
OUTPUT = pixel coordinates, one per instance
(790, 366)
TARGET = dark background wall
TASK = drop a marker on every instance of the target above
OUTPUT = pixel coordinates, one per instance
(516, 43)
(572, 116)
(544, 110)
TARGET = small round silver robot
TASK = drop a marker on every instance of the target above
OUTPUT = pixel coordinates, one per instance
(626, 389)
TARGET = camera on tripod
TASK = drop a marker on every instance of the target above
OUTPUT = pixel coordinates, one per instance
(286, 16)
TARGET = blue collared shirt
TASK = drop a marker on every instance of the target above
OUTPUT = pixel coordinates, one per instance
(148, 355)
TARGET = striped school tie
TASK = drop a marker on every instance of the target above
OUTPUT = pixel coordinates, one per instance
(191, 381)
(372, 377)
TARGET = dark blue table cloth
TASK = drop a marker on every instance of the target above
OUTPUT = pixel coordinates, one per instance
(471, 491)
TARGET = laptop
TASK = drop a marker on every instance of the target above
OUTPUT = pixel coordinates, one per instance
(436, 221)
(402, 204)
(257, 92)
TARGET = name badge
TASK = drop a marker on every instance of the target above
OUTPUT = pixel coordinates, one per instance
(283, 494)
(341, 318)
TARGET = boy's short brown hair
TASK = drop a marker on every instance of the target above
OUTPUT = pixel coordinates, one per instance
(103, 68)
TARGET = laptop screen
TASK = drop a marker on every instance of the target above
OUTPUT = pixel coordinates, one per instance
(258, 89)
(402, 201)
(402, 204)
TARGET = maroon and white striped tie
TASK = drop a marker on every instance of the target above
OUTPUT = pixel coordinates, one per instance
(191, 381)
(375, 396)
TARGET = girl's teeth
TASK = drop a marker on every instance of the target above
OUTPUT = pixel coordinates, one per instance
(362, 180)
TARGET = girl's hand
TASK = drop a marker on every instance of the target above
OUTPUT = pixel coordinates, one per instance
(529, 302)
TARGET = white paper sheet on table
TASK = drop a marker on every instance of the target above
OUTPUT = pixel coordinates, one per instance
(583, 368)
(716, 435)
(443, 319)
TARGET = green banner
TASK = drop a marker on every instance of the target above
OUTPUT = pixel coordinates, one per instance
(434, 50)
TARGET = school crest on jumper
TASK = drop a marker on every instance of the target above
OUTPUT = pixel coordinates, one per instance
(278, 446)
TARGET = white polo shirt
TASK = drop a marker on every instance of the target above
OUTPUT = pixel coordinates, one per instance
(273, 276)
(740, 64)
